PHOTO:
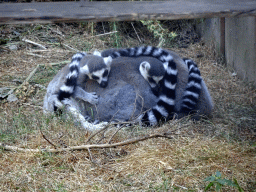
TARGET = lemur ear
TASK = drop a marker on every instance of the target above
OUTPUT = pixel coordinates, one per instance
(84, 53)
(97, 53)
(108, 60)
(84, 70)
(145, 65)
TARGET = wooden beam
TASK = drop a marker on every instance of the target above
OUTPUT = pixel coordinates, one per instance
(50, 12)
(222, 36)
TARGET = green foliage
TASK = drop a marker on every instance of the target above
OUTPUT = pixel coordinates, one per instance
(116, 36)
(218, 182)
(156, 28)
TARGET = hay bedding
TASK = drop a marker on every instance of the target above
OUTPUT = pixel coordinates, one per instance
(225, 142)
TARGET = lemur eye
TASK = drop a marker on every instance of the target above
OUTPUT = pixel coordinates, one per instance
(95, 77)
(105, 74)
(151, 80)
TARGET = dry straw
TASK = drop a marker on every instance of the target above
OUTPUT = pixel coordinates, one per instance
(225, 142)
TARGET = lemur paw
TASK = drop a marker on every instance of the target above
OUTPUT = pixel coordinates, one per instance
(93, 98)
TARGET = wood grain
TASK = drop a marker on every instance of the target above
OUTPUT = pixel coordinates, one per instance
(51, 12)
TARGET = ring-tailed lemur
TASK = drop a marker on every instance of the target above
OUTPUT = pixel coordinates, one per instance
(193, 87)
(116, 102)
(165, 107)
(84, 66)
(125, 70)
(65, 85)
(153, 75)
(191, 93)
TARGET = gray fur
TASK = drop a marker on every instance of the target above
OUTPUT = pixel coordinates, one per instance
(126, 85)
(127, 95)
(92, 63)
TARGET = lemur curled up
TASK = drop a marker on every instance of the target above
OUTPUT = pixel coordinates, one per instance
(66, 83)
(165, 107)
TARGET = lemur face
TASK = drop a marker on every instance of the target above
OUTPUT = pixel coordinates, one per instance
(154, 80)
(101, 76)
(151, 76)
(97, 68)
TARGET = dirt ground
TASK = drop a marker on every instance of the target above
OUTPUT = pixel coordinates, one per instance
(194, 150)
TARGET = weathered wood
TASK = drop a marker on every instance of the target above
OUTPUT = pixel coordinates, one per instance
(17, 13)
(222, 36)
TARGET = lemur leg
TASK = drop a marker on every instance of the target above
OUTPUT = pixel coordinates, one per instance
(50, 102)
(81, 94)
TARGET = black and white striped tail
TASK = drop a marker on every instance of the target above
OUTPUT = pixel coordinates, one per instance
(68, 88)
(166, 103)
(193, 87)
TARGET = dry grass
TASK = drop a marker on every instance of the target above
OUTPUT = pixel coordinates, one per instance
(225, 142)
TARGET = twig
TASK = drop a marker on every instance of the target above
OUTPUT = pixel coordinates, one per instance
(115, 134)
(53, 64)
(28, 104)
(136, 32)
(31, 42)
(55, 31)
(26, 80)
(36, 55)
(40, 50)
(104, 128)
(103, 34)
(33, 72)
(82, 147)
(181, 186)
(142, 105)
(90, 154)
(73, 49)
(103, 137)
(103, 27)
(47, 139)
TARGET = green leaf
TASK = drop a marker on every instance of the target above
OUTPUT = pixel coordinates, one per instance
(218, 187)
(208, 186)
(240, 189)
(218, 174)
(229, 183)
(211, 178)
(221, 181)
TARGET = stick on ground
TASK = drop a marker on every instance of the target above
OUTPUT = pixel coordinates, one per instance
(33, 43)
(82, 147)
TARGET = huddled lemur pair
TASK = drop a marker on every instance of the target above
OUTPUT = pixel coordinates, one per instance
(176, 83)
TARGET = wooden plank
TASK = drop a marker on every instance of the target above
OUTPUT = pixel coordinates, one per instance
(222, 36)
(48, 12)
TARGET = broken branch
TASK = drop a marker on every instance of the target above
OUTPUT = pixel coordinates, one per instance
(33, 43)
(88, 147)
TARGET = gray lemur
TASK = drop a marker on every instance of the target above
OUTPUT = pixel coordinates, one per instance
(131, 70)
(166, 105)
(128, 94)
(65, 85)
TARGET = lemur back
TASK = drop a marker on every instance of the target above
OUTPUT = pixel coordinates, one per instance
(150, 68)
(128, 94)
(165, 107)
